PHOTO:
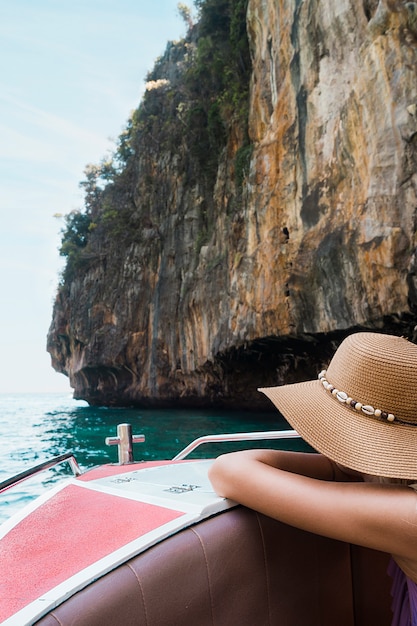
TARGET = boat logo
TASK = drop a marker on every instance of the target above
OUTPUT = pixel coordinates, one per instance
(126, 479)
(184, 488)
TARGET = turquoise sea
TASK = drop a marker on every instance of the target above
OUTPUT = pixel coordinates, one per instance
(37, 427)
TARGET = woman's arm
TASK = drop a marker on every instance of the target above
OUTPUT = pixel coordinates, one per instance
(305, 463)
(304, 490)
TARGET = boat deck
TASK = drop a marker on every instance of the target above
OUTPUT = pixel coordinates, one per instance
(89, 525)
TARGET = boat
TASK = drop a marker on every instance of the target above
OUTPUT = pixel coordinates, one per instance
(151, 544)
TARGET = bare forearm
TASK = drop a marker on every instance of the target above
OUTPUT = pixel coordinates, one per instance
(312, 465)
(306, 464)
(251, 477)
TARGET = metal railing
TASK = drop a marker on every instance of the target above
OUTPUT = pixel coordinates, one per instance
(36, 469)
(252, 436)
(125, 441)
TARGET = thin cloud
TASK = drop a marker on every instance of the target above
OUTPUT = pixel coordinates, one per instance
(71, 71)
(52, 123)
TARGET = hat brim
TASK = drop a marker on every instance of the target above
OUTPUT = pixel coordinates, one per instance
(351, 438)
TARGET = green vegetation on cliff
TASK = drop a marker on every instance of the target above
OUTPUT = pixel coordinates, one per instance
(195, 95)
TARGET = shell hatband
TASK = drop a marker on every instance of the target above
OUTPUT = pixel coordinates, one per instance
(367, 409)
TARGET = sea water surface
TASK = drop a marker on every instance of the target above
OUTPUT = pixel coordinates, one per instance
(37, 427)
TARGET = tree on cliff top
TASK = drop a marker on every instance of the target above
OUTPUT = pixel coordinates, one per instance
(194, 94)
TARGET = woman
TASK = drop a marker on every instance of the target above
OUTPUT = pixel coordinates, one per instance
(361, 416)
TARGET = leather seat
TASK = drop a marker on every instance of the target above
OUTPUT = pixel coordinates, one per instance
(238, 568)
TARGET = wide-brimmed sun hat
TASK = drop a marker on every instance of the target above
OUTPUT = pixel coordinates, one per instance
(362, 410)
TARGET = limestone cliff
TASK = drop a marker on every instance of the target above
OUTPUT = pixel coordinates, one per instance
(242, 232)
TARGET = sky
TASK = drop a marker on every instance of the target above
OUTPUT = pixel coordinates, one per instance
(71, 72)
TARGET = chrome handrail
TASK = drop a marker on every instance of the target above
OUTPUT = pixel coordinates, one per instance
(36, 469)
(253, 436)
(219, 438)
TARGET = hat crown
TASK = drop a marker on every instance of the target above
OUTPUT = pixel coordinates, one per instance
(378, 370)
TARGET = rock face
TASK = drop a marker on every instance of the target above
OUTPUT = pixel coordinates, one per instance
(250, 272)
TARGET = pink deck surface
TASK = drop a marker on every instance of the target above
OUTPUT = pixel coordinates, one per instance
(71, 531)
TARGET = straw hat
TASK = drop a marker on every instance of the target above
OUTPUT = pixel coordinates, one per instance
(361, 411)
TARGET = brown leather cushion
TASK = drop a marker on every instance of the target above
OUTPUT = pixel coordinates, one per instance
(237, 569)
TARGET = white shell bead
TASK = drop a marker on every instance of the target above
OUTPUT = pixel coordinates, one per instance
(341, 396)
(368, 409)
(390, 417)
(377, 413)
(358, 406)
